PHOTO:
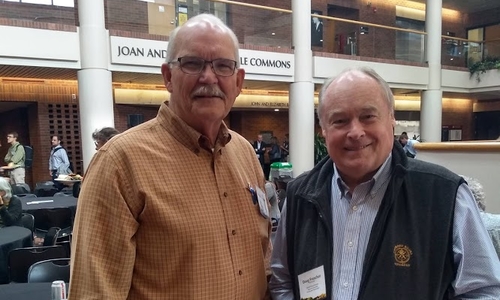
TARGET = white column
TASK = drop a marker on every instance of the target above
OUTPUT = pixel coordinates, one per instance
(94, 79)
(431, 109)
(301, 103)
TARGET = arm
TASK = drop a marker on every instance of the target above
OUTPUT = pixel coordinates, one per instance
(18, 156)
(478, 267)
(62, 162)
(281, 285)
(13, 213)
(103, 250)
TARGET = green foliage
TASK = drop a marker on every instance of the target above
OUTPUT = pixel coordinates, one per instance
(319, 148)
(481, 67)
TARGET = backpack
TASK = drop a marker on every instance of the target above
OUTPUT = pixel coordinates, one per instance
(28, 156)
(69, 159)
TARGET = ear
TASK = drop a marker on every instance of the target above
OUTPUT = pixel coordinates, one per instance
(240, 77)
(166, 72)
(323, 132)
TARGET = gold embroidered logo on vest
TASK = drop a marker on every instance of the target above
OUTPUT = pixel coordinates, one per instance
(402, 255)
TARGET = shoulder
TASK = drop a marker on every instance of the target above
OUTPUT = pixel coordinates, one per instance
(14, 200)
(424, 168)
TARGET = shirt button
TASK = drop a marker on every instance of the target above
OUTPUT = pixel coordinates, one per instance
(354, 208)
(345, 284)
(350, 244)
(233, 232)
(240, 272)
(225, 194)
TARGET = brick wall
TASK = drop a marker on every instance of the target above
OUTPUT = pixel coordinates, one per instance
(38, 124)
(38, 13)
(122, 111)
(127, 15)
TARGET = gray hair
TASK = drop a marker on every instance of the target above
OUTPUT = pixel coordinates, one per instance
(5, 186)
(172, 42)
(386, 90)
(477, 190)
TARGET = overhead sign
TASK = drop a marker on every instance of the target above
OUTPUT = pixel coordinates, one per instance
(149, 53)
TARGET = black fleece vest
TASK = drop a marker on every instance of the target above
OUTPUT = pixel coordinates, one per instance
(409, 254)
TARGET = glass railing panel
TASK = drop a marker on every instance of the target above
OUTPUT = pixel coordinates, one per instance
(454, 52)
(492, 49)
(252, 25)
(38, 14)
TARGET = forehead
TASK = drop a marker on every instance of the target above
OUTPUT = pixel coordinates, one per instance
(355, 91)
(204, 40)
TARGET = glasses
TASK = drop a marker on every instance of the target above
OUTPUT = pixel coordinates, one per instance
(195, 65)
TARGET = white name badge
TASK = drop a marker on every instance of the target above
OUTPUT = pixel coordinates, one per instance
(264, 209)
(312, 284)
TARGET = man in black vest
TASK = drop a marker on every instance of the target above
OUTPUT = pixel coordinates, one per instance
(369, 223)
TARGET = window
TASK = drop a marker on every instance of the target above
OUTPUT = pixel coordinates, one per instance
(63, 3)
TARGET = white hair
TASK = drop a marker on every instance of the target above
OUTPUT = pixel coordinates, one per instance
(385, 89)
(5, 186)
(477, 190)
(172, 41)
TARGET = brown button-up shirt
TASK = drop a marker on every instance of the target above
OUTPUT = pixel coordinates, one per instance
(160, 216)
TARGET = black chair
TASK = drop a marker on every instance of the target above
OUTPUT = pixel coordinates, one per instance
(26, 195)
(21, 259)
(20, 188)
(28, 222)
(50, 270)
(66, 245)
(45, 189)
(62, 194)
(55, 217)
(51, 236)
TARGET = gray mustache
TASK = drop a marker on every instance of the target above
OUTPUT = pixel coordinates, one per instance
(208, 90)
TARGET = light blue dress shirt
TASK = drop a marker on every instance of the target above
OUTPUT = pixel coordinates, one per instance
(476, 262)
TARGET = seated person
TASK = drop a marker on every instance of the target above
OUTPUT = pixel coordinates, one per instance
(11, 208)
(491, 221)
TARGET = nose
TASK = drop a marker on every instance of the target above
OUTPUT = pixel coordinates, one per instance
(356, 130)
(208, 75)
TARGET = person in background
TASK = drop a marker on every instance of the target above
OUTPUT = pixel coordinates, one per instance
(491, 221)
(175, 208)
(260, 149)
(100, 138)
(408, 145)
(15, 158)
(369, 223)
(285, 149)
(403, 138)
(275, 151)
(11, 209)
(103, 135)
(58, 161)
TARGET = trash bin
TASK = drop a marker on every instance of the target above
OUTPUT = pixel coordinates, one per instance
(280, 169)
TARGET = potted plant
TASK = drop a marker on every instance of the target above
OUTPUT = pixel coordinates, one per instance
(320, 150)
(481, 67)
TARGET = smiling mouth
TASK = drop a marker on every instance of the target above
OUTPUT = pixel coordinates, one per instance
(357, 148)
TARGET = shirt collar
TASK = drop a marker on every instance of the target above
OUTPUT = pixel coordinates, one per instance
(187, 135)
(382, 175)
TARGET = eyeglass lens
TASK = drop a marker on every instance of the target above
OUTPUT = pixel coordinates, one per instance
(195, 65)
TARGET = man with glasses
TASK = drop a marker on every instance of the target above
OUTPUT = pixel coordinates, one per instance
(175, 208)
(15, 158)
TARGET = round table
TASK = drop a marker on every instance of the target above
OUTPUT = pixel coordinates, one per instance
(11, 237)
(27, 291)
(31, 204)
